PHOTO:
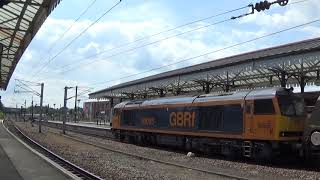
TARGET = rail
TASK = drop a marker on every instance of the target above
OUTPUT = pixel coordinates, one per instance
(74, 169)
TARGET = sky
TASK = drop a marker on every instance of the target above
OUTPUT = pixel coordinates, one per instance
(101, 56)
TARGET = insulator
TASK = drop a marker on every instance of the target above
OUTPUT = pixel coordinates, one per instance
(258, 7)
(266, 4)
(262, 7)
(282, 2)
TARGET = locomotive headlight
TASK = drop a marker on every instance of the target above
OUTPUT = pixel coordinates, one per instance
(315, 138)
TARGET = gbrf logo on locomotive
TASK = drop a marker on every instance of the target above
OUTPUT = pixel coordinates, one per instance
(182, 119)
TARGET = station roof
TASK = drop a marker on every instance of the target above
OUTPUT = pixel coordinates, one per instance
(20, 20)
(260, 68)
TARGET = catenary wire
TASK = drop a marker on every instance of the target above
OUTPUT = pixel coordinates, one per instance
(194, 57)
(68, 29)
(147, 44)
(144, 45)
(78, 36)
(146, 37)
(211, 52)
(161, 32)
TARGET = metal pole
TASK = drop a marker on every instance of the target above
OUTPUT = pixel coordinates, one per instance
(16, 112)
(60, 113)
(75, 105)
(111, 107)
(78, 108)
(25, 110)
(65, 109)
(54, 111)
(41, 101)
(32, 109)
(21, 107)
(48, 114)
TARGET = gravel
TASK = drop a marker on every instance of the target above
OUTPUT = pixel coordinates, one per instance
(242, 168)
(107, 164)
(124, 167)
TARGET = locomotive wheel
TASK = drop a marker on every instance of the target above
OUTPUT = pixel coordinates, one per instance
(263, 152)
(138, 139)
(308, 154)
(131, 139)
(121, 137)
(229, 152)
(154, 139)
(188, 144)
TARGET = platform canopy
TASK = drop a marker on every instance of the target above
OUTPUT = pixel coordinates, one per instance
(286, 65)
(20, 20)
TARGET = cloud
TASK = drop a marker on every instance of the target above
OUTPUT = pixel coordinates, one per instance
(27, 55)
(127, 26)
(92, 46)
(53, 29)
(293, 15)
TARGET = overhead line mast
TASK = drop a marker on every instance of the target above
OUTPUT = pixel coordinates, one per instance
(261, 6)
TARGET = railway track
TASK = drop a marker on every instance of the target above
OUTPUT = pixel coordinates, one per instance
(140, 157)
(74, 169)
(233, 175)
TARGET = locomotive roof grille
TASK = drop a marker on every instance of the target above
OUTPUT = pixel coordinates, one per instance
(237, 95)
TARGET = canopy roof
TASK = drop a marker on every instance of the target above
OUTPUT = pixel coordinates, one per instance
(261, 68)
(20, 20)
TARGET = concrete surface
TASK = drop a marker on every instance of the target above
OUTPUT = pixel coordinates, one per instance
(85, 124)
(18, 162)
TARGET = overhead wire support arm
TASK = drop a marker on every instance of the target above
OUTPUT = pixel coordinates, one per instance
(246, 14)
(25, 86)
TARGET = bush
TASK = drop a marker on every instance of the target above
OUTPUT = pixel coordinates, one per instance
(1, 115)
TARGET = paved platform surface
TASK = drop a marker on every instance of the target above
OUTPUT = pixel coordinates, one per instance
(86, 124)
(17, 162)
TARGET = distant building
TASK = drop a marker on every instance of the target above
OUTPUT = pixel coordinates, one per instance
(97, 110)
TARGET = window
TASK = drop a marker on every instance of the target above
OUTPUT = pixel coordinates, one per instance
(263, 106)
(291, 105)
(128, 118)
(212, 118)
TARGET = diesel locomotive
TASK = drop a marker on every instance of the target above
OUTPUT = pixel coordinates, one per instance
(253, 123)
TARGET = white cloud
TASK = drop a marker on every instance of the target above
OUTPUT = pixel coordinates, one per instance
(88, 47)
(27, 55)
(293, 15)
(53, 29)
(109, 34)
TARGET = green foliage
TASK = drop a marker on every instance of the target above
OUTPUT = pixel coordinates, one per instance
(1, 110)
(1, 115)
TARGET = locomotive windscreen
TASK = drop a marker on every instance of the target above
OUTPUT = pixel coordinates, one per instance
(291, 105)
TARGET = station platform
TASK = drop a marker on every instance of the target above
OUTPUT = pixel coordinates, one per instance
(18, 162)
(86, 124)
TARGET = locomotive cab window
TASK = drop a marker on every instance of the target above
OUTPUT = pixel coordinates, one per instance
(128, 118)
(263, 107)
(291, 105)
